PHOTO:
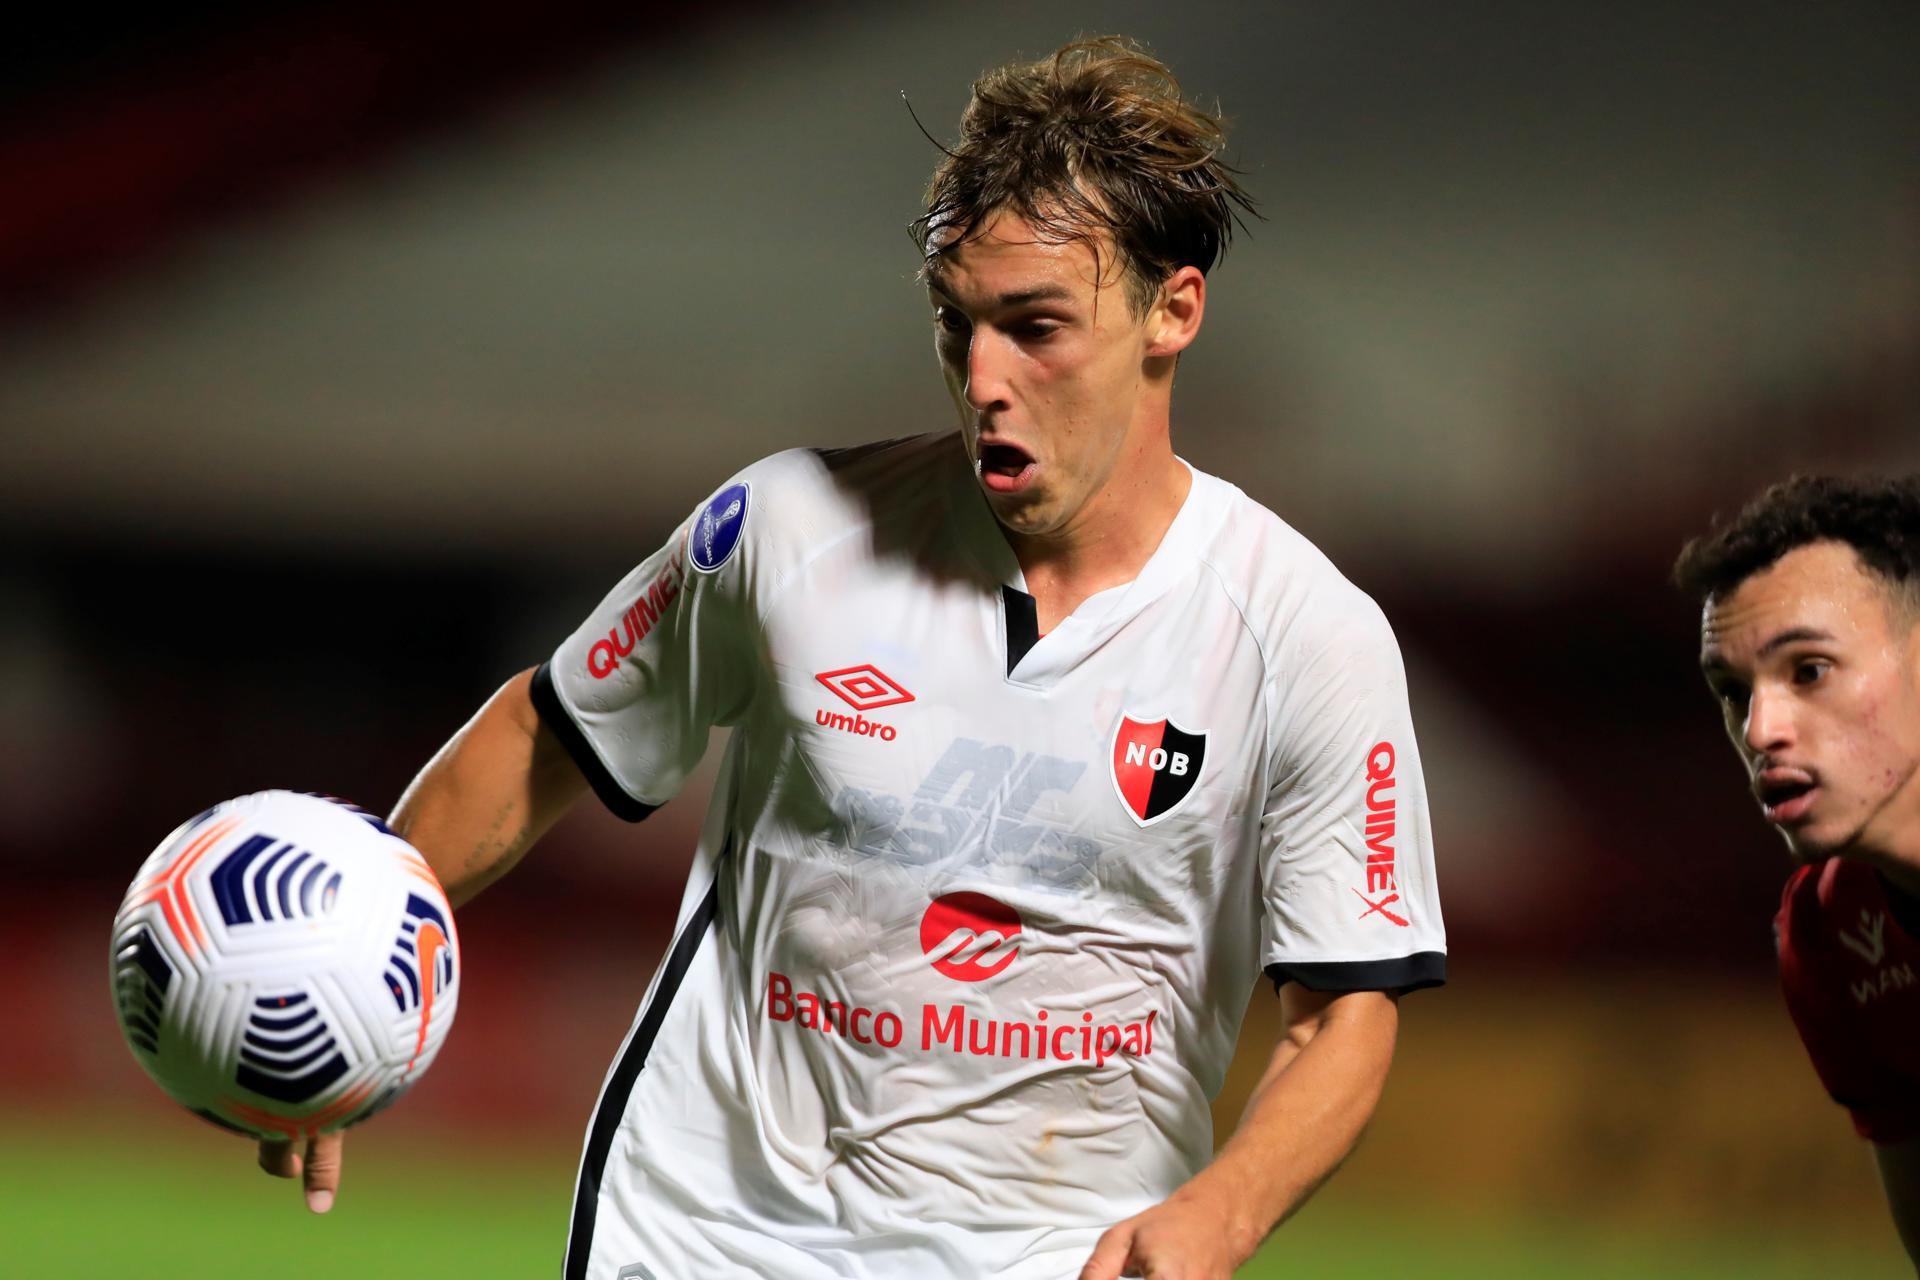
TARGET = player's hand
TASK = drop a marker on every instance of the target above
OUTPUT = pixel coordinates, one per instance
(1185, 1238)
(318, 1170)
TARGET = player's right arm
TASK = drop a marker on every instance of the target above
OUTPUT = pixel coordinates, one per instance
(497, 786)
(623, 708)
(1900, 1174)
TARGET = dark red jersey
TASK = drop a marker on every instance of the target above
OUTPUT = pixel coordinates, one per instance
(1850, 966)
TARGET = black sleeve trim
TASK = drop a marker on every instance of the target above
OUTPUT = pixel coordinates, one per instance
(553, 714)
(1403, 973)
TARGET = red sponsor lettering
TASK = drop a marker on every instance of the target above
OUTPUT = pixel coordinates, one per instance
(1381, 907)
(603, 659)
(947, 1028)
(1379, 829)
(831, 1017)
(956, 1029)
(857, 725)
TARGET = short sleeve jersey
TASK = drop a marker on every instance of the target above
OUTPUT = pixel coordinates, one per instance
(976, 911)
(1850, 966)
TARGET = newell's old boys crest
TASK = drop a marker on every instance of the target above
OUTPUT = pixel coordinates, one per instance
(716, 531)
(1155, 766)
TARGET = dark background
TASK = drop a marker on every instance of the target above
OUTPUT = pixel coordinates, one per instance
(349, 352)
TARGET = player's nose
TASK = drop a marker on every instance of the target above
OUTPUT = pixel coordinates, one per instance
(1769, 721)
(986, 371)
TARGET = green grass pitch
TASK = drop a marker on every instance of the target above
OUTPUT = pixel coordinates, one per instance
(175, 1203)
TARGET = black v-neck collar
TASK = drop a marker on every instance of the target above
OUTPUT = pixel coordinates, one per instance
(1023, 624)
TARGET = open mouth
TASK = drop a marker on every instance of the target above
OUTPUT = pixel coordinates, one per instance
(1005, 468)
(1785, 800)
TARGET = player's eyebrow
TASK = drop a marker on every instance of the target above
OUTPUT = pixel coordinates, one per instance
(1792, 635)
(1011, 299)
(1713, 663)
(1039, 293)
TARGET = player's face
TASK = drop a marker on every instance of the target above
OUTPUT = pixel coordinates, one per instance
(1053, 374)
(1817, 672)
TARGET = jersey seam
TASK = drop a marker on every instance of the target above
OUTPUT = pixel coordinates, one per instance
(1266, 681)
(776, 593)
(1266, 671)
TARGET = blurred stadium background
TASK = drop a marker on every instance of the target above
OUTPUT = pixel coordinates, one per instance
(348, 352)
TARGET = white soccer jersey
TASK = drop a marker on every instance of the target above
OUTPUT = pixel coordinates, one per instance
(976, 911)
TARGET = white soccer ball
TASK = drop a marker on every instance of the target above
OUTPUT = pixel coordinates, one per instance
(285, 965)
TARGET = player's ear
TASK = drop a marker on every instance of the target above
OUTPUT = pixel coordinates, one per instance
(1908, 615)
(1174, 321)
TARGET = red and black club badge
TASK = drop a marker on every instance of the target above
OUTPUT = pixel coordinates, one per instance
(1155, 766)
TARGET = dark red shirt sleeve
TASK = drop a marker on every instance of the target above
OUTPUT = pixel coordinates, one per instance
(1851, 974)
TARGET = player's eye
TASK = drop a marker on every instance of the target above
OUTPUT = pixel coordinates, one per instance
(950, 321)
(1810, 670)
(1038, 329)
(1733, 695)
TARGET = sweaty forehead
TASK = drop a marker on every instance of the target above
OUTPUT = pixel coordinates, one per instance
(1006, 256)
(1728, 624)
(1821, 588)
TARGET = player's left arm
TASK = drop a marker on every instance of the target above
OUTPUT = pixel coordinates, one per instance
(1900, 1174)
(1842, 1038)
(1305, 1115)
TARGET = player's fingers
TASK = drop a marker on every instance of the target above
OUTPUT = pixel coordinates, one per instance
(323, 1170)
(1109, 1254)
(279, 1159)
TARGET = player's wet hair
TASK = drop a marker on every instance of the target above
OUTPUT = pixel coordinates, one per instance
(1879, 518)
(1093, 142)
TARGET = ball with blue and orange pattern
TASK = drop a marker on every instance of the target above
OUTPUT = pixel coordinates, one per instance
(285, 965)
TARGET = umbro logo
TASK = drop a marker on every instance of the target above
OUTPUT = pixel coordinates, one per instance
(863, 688)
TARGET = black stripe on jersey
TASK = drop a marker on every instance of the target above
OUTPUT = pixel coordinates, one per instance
(553, 714)
(612, 1107)
(1023, 625)
(1403, 973)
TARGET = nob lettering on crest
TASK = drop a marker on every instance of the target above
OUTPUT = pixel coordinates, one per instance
(1159, 759)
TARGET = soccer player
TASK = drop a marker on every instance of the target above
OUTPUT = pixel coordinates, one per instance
(1810, 641)
(1044, 746)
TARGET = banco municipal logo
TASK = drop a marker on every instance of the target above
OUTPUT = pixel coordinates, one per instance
(969, 936)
